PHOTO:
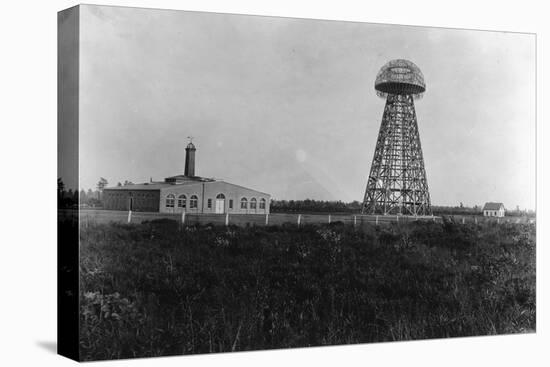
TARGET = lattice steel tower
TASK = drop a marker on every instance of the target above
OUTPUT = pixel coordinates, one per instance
(397, 182)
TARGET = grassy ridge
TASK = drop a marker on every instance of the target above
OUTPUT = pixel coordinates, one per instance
(157, 289)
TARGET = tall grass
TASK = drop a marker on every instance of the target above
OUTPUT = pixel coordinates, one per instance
(159, 289)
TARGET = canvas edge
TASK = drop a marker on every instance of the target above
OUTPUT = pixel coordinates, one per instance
(68, 27)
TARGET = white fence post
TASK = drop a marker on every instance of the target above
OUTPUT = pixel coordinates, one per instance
(355, 220)
(129, 216)
(183, 217)
(266, 219)
(475, 219)
(226, 219)
(462, 220)
(397, 217)
(377, 220)
(329, 219)
(299, 219)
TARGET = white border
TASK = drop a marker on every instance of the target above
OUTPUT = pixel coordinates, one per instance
(28, 151)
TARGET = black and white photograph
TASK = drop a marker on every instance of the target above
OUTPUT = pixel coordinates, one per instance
(274, 183)
(242, 183)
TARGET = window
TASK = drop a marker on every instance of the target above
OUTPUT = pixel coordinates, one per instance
(244, 203)
(220, 196)
(230, 203)
(182, 201)
(262, 203)
(170, 201)
(194, 202)
(253, 203)
(209, 203)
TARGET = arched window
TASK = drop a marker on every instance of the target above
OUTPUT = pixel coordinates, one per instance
(244, 203)
(262, 203)
(182, 201)
(170, 199)
(194, 202)
(253, 203)
(220, 196)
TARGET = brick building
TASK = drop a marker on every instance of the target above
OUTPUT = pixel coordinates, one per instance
(187, 192)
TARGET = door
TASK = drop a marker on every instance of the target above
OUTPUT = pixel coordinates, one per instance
(220, 204)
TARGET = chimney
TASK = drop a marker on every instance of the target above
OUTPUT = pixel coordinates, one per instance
(190, 160)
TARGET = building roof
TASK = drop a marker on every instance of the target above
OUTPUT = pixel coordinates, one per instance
(493, 206)
(168, 182)
(174, 181)
(157, 186)
(246, 188)
(184, 178)
(143, 186)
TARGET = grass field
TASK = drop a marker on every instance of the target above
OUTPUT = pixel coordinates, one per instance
(159, 288)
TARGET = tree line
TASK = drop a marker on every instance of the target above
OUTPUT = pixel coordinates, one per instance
(314, 206)
(354, 207)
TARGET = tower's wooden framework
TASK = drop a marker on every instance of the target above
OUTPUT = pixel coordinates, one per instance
(397, 181)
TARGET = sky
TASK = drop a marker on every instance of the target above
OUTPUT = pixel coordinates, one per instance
(288, 106)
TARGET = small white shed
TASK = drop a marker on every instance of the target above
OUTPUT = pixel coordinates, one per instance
(494, 210)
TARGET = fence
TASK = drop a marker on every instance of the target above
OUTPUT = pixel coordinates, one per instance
(107, 216)
(478, 219)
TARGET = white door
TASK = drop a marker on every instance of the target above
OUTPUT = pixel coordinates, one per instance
(220, 204)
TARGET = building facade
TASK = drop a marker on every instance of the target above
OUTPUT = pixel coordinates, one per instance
(494, 210)
(189, 193)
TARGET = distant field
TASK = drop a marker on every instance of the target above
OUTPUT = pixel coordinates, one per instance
(159, 288)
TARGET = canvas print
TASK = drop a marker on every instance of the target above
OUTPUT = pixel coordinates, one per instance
(235, 182)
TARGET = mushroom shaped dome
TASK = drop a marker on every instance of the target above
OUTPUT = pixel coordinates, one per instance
(400, 77)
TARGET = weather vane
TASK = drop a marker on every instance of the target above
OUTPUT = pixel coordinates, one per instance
(190, 139)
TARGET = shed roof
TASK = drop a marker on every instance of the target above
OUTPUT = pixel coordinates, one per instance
(493, 206)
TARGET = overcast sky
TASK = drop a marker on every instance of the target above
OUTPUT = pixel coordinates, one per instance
(288, 106)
